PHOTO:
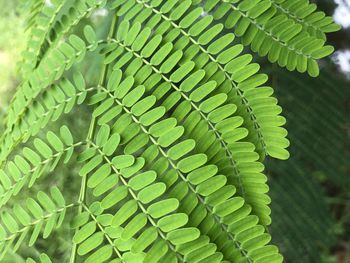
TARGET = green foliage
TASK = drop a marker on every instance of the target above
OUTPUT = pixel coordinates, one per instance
(171, 166)
(40, 216)
(11, 45)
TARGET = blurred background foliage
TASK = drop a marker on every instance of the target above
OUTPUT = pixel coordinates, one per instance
(12, 41)
(310, 191)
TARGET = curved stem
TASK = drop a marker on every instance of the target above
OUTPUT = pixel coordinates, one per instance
(82, 193)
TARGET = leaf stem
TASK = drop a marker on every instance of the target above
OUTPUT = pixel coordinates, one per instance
(82, 194)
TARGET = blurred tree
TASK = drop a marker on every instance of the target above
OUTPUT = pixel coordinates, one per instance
(12, 42)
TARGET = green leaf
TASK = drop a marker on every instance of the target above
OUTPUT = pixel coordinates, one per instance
(124, 213)
(134, 226)
(101, 255)
(34, 208)
(151, 116)
(151, 46)
(35, 233)
(105, 105)
(78, 44)
(172, 222)
(163, 207)
(322, 52)
(43, 148)
(66, 135)
(151, 192)
(162, 127)
(211, 185)
(133, 96)
(99, 175)
(212, 102)
(171, 62)
(142, 180)
(9, 222)
(123, 30)
(182, 71)
(89, 34)
(124, 87)
(32, 156)
(55, 141)
(89, 166)
(57, 196)
(229, 54)
(49, 226)
(312, 68)
(123, 161)
(114, 197)
(171, 136)
(179, 150)
(229, 206)
(45, 258)
(141, 39)
(110, 114)
(161, 54)
(22, 164)
(112, 144)
(114, 80)
(192, 162)
(102, 135)
(46, 201)
(146, 238)
(90, 243)
(79, 81)
(222, 113)
(21, 214)
(143, 105)
(80, 220)
(84, 232)
(183, 235)
(189, 83)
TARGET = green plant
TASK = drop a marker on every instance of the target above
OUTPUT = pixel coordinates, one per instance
(171, 165)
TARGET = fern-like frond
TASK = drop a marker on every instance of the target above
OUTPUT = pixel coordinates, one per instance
(50, 68)
(220, 59)
(52, 23)
(181, 122)
(31, 116)
(147, 190)
(221, 125)
(270, 30)
(45, 16)
(316, 23)
(119, 173)
(27, 167)
(42, 215)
